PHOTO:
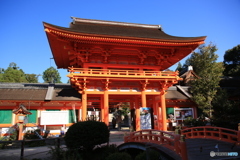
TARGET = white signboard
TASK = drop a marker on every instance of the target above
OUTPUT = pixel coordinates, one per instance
(54, 117)
(183, 113)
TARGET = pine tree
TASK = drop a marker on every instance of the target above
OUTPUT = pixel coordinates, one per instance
(226, 111)
(232, 61)
(205, 66)
(180, 67)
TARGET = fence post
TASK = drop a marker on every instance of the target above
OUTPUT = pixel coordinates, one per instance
(58, 143)
(161, 138)
(238, 137)
(22, 149)
(183, 146)
(177, 143)
(238, 134)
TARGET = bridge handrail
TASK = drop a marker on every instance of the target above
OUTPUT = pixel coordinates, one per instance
(167, 139)
(218, 133)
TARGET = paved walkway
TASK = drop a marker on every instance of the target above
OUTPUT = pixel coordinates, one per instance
(199, 149)
(116, 137)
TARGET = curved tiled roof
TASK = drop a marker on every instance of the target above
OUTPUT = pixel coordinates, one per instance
(121, 29)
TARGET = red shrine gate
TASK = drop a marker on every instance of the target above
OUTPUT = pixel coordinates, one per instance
(109, 61)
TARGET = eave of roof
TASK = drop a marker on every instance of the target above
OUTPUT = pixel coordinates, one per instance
(139, 31)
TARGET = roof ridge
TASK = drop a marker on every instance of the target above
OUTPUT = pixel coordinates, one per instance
(75, 19)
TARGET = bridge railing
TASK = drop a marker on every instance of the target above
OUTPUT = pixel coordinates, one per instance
(166, 139)
(217, 133)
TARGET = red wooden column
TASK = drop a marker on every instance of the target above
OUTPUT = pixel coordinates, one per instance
(155, 108)
(159, 117)
(80, 114)
(137, 114)
(105, 108)
(84, 106)
(163, 109)
(102, 108)
(144, 101)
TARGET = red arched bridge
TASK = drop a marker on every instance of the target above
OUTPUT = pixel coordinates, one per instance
(193, 143)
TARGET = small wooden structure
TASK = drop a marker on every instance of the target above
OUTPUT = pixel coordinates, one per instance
(21, 113)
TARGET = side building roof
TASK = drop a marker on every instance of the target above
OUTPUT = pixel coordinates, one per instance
(37, 92)
(61, 92)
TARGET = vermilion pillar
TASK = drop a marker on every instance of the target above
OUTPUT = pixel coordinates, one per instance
(137, 114)
(144, 102)
(106, 108)
(155, 112)
(159, 117)
(79, 115)
(163, 109)
(84, 106)
(102, 109)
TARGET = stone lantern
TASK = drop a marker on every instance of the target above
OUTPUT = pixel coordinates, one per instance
(21, 113)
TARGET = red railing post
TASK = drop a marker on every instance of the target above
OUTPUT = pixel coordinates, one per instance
(219, 134)
(183, 147)
(238, 137)
(161, 137)
(204, 131)
(177, 143)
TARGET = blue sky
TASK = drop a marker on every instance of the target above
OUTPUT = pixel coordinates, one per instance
(23, 40)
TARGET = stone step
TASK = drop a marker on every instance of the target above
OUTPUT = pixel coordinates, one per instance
(118, 136)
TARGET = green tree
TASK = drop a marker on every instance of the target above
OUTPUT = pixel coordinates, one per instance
(51, 75)
(16, 75)
(226, 111)
(32, 78)
(232, 61)
(13, 74)
(1, 74)
(180, 67)
(205, 66)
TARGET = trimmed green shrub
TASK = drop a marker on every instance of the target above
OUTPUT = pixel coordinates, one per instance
(63, 154)
(31, 135)
(12, 137)
(149, 154)
(104, 151)
(86, 135)
(119, 156)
